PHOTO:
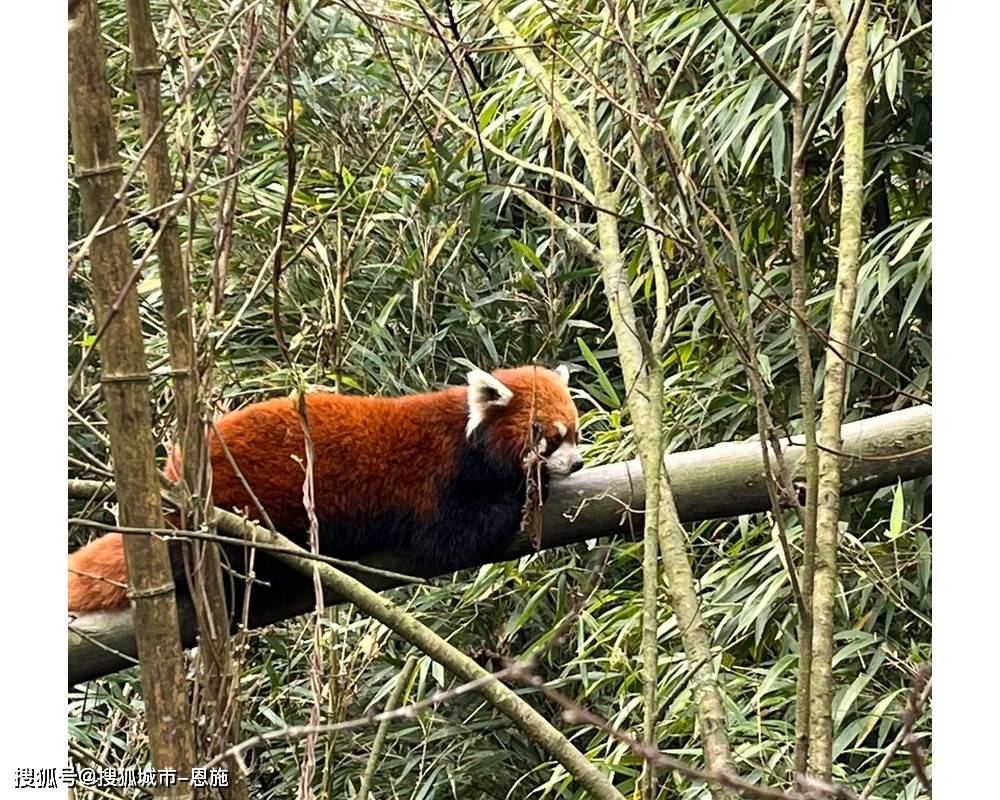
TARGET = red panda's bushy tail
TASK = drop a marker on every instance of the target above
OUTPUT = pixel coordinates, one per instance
(97, 578)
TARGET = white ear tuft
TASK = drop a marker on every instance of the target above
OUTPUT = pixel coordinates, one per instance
(563, 372)
(485, 392)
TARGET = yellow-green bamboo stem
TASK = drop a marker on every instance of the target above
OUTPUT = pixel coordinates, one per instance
(125, 384)
(829, 484)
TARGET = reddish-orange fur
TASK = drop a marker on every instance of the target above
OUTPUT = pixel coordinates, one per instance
(105, 560)
(371, 453)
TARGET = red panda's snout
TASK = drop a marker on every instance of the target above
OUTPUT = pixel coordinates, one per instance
(561, 455)
(565, 460)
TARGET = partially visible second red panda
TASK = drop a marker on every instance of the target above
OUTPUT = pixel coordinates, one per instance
(436, 476)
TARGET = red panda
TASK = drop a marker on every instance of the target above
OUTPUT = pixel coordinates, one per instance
(437, 476)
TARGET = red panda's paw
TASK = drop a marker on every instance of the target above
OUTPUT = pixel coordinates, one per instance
(97, 578)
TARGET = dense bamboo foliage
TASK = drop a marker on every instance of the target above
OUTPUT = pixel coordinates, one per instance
(370, 197)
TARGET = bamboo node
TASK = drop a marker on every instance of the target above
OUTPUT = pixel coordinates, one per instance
(153, 591)
(112, 168)
(148, 70)
(126, 377)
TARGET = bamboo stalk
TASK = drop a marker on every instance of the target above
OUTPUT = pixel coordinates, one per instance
(652, 466)
(395, 701)
(651, 527)
(643, 381)
(125, 385)
(830, 438)
(800, 294)
(218, 695)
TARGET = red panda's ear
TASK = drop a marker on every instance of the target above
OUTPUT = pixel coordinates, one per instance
(485, 392)
(563, 372)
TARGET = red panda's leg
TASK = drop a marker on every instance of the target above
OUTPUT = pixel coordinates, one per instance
(97, 578)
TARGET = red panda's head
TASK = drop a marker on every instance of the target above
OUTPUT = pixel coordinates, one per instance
(505, 407)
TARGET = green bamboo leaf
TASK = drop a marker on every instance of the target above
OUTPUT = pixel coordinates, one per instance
(436, 249)
(893, 65)
(911, 240)
(609, 390)
(846, 700)
(778, 146)
(527, 254)
(896, 514)
(915, 293)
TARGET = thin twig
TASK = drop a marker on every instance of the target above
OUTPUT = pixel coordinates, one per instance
(916, 701)
(828, 88)
(757, 57)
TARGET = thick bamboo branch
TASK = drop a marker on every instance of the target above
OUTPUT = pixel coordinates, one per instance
(562, 107)
(125, 385)
(651, 546)
(717, 482)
